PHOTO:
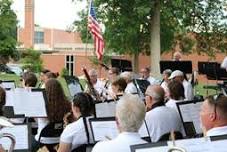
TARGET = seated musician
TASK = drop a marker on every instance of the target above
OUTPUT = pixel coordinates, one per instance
(118, 87)
(145, 75)
(75, 134)
(159, 118)
(176, 94)
(57, 106)
(188, 90)
(128, 76)
(166, 74)
(29, 80)
(130, 113)
(97, 84)
(42, 78)
(213, 115)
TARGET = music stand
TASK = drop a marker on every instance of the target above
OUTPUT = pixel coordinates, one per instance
(122, 65)
(184, 66)
(73, 85)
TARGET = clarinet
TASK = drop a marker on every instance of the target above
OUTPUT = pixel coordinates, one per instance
(92, 90)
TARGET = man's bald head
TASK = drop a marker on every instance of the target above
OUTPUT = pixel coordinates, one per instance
(156, 92)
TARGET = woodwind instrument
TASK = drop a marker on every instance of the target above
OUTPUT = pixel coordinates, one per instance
(92, 90)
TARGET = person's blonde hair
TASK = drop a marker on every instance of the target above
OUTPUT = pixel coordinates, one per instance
(130, 113)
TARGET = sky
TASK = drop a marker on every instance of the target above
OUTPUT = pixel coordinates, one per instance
(58, 14)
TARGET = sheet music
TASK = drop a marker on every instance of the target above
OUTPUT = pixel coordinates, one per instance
(143, 131)
(104, 129)
(34, 101)
(8, 85)
(153, 149)
(190, 113)
(105, 109)
(20, 133)
(9, 97)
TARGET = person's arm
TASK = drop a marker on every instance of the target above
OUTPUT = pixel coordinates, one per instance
(2, 149)
(64, 147)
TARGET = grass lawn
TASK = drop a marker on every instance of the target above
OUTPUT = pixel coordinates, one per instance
(198, 89)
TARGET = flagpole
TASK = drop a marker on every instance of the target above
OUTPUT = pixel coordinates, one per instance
(86, 41)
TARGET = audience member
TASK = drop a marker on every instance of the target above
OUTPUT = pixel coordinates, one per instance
(75, 134)
(130, 113)
(188, 90)
(213, 115)
(177, 56)
(159, 118)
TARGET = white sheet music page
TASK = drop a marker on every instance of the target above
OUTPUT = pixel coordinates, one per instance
(143, 131)
(8, 85)
(103, 130)
(9, 97)
(35, 105)
(105, 109)
(190, 113)
(20, 133)
(30, 103)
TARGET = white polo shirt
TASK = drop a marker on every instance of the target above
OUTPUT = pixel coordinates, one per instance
(131, 88)
(75, 134)
(217, 131)
(120, 144)
(162, 120)
(171, 103)
(188, 90)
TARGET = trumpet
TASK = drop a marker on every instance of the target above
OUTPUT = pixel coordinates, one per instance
(12, 139)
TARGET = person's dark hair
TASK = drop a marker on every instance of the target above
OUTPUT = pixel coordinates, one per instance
(50, 75)
(85, 103)
(30, 79)
(220, 101)
(120, 83)
(2, 100)
(44, 71)
(176, 90)
(57, 105)
(115, 70)
(147, 69)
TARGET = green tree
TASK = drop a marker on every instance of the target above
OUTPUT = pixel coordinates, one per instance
(141, 26)
(8, 31)
(31, 60)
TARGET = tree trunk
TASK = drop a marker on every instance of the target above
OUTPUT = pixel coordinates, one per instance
(155, 47)
(135, 62)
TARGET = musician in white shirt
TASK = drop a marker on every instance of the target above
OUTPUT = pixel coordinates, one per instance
(97, 84)
(130, 113)
(213, 115)
(131, 88)
(145, 75)
(188, 90)
(160, 119)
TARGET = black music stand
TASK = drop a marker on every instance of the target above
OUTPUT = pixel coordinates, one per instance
(184, 66)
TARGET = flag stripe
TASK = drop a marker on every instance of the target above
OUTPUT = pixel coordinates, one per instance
(96, 32)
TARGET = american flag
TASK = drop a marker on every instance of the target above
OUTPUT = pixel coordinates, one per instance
(96, 31)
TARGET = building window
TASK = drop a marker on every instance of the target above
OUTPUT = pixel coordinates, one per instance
(39, 37)
(69, 62)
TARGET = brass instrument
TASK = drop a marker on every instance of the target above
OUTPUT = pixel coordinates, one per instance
(175, 148)
(5, 123)
(12, 139)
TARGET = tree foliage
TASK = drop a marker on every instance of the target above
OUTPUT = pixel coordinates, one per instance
(127, 24)
(8, 29)
(31, 60)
